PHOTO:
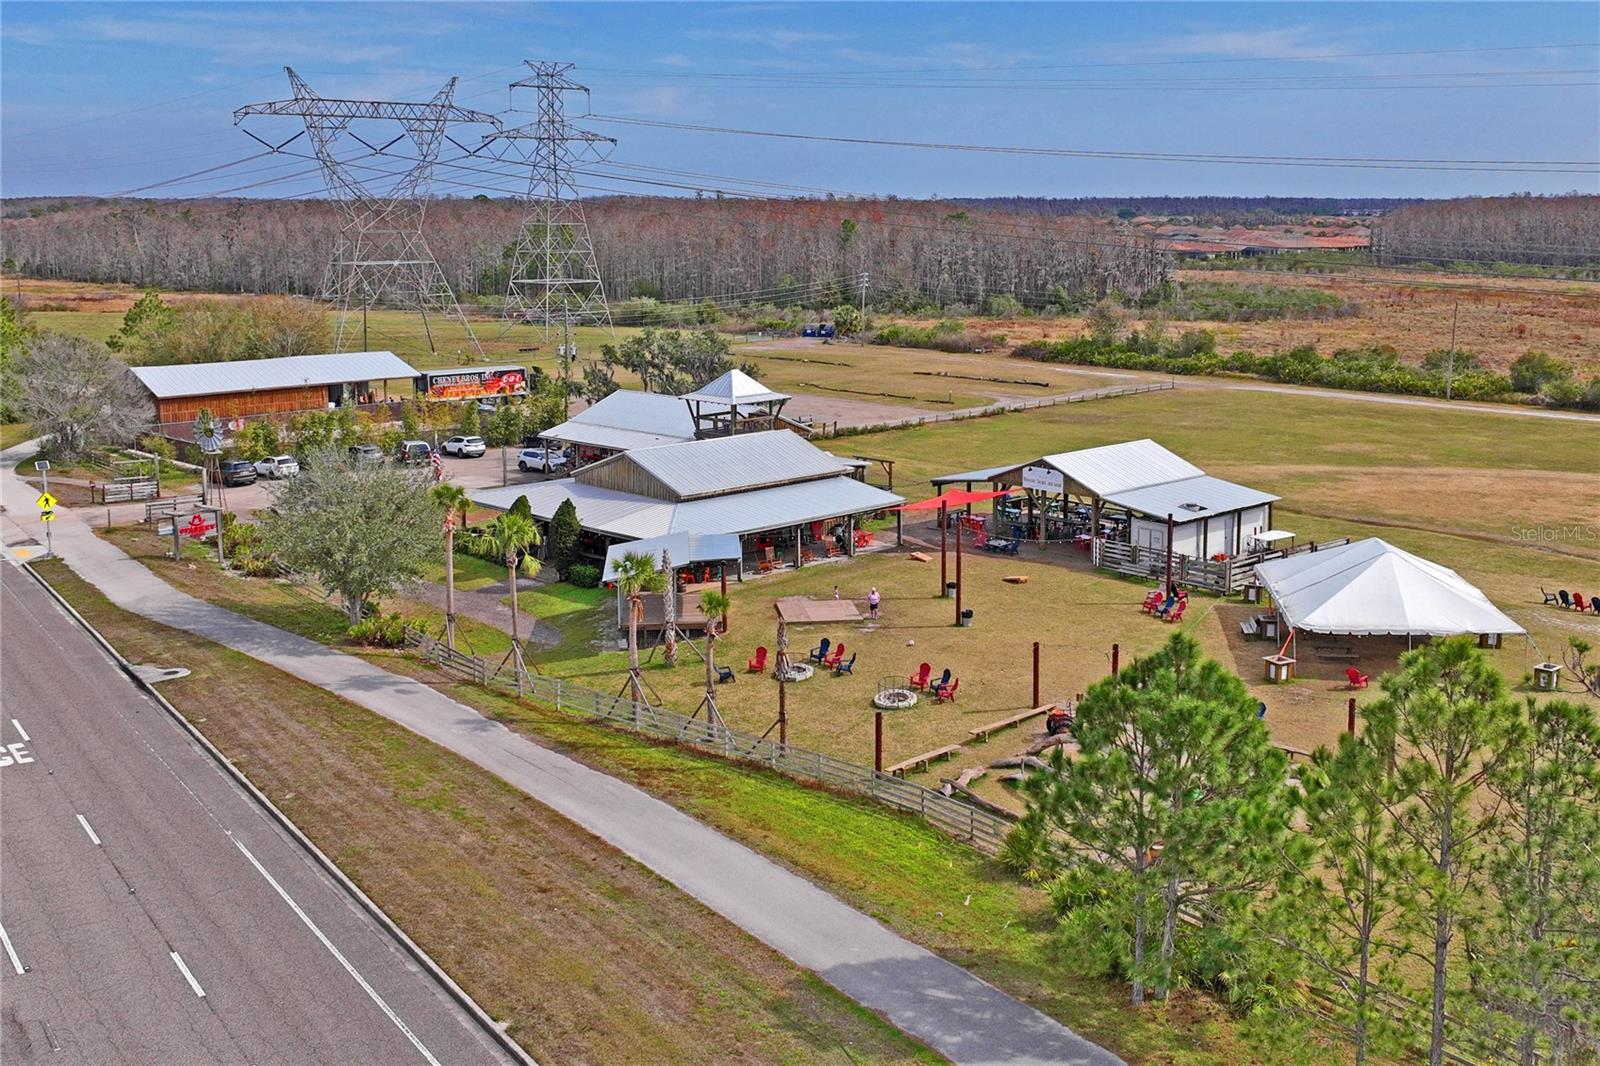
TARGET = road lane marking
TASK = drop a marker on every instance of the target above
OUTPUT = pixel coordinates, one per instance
(85, 823)
(350, 969)
(11, 952)
(187, 976)
(23, 733)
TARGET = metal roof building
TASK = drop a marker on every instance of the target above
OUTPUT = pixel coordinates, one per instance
(773, 482)
(627, 419)
(262, 375)
(1143, 483)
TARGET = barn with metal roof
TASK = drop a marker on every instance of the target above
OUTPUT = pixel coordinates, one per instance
(788, 500)
(294, 383)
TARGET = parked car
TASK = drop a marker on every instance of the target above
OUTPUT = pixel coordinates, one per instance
(464, 447)
(412, 452)
(277, 466)
(366, 453)
(539, 459)
(238, 472)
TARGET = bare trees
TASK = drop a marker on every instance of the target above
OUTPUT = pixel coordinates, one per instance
(1551, 230)
(78, 394)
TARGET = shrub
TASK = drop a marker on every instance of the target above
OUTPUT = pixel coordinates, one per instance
(584, 575)
(1533, 370)
(379, 631)
(564, 533)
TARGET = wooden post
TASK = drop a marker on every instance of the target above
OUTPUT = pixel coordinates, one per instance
(850, 535)
(944, 577)
(783, 713)
(1169, 555)
(1035, 674)
(722, 575)
(899, 535)
(877, 742)
(797, 547)
(1350, 718)
(958, 569)
(1115, 653)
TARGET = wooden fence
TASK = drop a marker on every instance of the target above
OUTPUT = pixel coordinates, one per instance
(982, 829)
(1223, 577)
(822, 431)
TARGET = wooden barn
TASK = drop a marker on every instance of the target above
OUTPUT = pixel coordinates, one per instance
(244, 387)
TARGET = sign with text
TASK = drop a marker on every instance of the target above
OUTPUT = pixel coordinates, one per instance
(198, 526)
(472, 383)
(1043, 479)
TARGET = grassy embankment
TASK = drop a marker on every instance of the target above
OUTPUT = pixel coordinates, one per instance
(584, 954)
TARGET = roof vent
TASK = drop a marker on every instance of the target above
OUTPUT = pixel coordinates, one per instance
(1191, 507)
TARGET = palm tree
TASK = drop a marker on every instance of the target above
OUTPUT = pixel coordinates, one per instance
(636, 574)
(511, 535)
(714, 605)
(453, 498)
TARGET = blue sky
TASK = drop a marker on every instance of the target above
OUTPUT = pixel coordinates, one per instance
(101, 98)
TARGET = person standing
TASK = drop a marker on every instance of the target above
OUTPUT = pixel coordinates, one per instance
(872, 603)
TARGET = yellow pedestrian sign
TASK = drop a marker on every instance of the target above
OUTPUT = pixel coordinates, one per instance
(47, 516)
(46, 502)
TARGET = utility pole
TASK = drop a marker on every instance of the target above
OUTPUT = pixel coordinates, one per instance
(553, 267)
(864, 276)
(381, 253)
(1450, 360)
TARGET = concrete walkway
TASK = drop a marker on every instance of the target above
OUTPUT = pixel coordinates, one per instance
(963, 1018)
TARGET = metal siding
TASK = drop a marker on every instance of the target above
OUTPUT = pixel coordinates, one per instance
(731, 464)
(781, 507)
(257, 375)
(648, 413)
(1113, 468)
(1212, 493)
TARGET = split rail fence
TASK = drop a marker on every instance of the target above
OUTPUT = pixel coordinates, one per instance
(982, 829)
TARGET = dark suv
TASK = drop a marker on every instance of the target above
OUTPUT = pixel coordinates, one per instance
(238, 472)
(366, 453)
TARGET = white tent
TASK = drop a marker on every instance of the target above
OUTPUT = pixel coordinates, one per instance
(1371, 588)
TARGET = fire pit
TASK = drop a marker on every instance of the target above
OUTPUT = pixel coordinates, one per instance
(795, 672)
(893, 695)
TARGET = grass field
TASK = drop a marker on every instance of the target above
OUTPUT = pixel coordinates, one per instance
(585, 955)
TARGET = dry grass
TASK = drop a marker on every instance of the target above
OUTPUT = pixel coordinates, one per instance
(1498, 319)
(589, 957)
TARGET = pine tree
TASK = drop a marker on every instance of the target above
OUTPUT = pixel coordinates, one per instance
(564, 534)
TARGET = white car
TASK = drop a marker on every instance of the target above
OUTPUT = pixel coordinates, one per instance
(537, 459)
(464, 447)
(277, 466)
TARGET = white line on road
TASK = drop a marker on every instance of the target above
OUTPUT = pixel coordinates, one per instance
(85, 823)
(21, 731)
(350, 969)
(187, 976)
(11, 952)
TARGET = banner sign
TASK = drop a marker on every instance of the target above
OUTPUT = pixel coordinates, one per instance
(198, 526)
(1043, 479)
(474, 383)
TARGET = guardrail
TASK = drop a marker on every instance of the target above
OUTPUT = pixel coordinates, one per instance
(982, 829)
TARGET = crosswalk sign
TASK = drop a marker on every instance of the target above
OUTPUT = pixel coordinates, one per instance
(46, 502)
(47, 516)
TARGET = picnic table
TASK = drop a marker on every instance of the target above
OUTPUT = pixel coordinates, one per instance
(921, 762)
(982, 732)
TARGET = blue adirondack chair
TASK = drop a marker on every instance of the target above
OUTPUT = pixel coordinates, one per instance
(846, 666)
(820, 652)
(725, 673)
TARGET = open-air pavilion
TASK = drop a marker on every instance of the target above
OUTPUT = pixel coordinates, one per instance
(1126, 503)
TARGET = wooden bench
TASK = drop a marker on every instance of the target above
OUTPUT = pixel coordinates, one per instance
(921, 762)
(1293, 752)
(1251, 628)
(170, 506)
(982, 732)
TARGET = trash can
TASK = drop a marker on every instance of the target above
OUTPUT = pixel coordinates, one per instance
(949, 589)
(1252, 593)
(1547, 677)
(966, 617)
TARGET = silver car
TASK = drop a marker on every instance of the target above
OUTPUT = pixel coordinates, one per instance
(464, 447)
(539, 459)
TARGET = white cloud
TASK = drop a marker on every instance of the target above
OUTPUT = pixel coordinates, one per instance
(781, 39)
(1288, 42)
(674, 59)
(661, 102)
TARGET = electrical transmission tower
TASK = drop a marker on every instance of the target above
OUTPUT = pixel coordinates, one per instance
(554, 277)
(381, 257)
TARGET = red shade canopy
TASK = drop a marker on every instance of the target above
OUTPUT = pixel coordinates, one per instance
(951, 498)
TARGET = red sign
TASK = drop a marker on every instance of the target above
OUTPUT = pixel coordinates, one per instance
(198, 527)
(473, 384)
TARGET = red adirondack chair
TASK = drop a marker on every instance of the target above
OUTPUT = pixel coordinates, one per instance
(834, 656)
(919, 680)
(759, 663)
(1578, 601)
(1176, 614)
(947, 693)
(1357, 678)
(1152, 601)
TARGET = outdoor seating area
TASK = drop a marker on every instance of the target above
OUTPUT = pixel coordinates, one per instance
(1169, 607)
(1573, 601)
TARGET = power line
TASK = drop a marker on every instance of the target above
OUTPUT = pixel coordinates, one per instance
(1561, 166)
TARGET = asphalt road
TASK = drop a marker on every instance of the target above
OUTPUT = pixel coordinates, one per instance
(152, 911)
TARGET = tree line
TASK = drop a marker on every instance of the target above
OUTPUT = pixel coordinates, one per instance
(808, 252)
(1544, 230)
(1427, 886)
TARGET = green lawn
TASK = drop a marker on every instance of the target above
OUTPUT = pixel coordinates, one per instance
(14, 433)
